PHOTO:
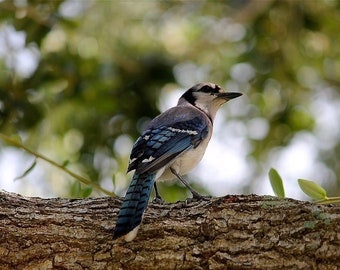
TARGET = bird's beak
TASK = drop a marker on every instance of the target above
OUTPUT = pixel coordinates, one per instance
(228, 95)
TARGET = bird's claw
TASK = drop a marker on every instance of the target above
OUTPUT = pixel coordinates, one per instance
(158, 200)
(198, 197)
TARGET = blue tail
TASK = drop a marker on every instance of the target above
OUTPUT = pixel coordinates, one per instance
(134, 204)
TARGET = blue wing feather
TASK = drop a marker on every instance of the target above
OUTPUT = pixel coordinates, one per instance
(157, 146)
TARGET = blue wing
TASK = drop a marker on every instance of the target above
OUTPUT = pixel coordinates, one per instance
(158, 146)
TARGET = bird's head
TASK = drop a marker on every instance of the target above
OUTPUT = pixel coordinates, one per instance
(207, 97)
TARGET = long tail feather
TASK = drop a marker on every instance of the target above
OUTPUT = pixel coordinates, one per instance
(134, 204)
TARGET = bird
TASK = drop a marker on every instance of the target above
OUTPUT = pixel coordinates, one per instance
(170, 146)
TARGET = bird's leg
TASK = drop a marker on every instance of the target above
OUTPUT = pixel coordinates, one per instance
(158, 198)
(194, 193)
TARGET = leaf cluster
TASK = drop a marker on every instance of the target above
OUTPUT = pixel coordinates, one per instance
(310, 188)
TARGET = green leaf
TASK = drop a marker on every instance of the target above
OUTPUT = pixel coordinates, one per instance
(30, 168)
(312, 189)
(78, 190)
(75, 189)
(86, 192)
(65, 163)
(276, 183)
(114, 180)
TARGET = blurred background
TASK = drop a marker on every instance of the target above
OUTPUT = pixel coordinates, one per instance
(79, 79)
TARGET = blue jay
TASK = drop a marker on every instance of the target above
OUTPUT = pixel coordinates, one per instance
(171, 145)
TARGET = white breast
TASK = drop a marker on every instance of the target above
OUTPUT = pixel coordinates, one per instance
(184, 163)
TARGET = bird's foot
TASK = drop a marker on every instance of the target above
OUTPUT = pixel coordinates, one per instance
(198, 197)
(158, 200)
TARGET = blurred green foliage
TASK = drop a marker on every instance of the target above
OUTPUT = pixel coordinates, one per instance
(101, 66)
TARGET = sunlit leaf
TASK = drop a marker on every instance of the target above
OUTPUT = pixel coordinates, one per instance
(276, 183)
(28, 170)
(312, 189)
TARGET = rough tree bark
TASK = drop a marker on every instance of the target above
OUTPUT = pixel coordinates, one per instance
(232, 232)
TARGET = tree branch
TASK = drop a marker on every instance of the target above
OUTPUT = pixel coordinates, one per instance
(234, 232)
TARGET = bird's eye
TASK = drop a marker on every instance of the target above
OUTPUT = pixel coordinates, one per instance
(206, 89)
